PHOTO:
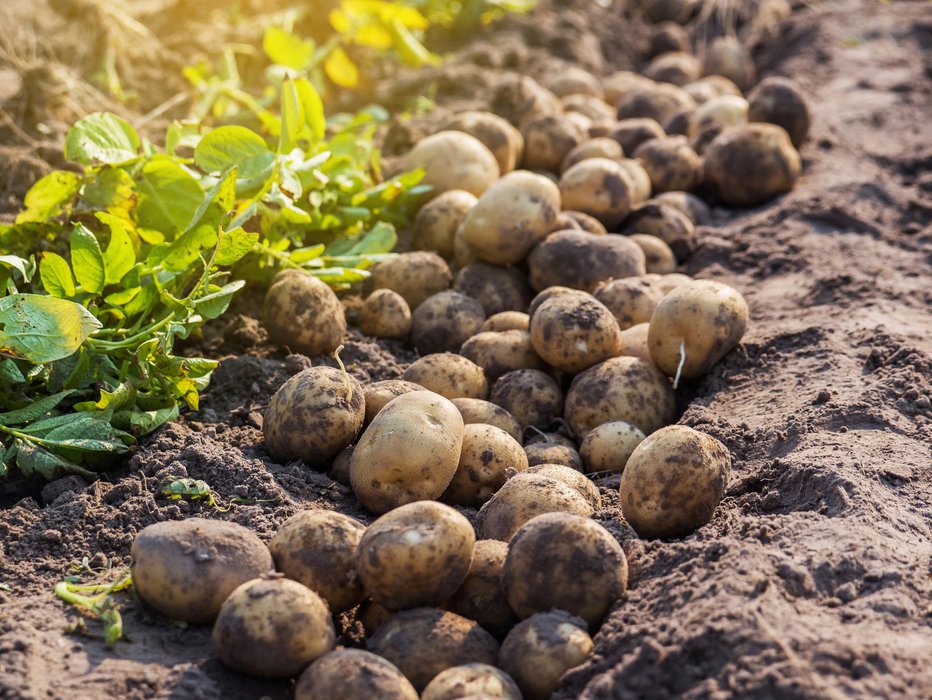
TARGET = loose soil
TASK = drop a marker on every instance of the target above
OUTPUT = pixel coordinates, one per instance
(814, 579)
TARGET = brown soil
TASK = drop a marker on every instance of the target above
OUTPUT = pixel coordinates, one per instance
(814, 579)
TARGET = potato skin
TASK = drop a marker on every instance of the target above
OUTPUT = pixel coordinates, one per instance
(185, 569)
(496, 288)
(434, 227)
(658, 102)
(272, 627)
(351, 674)
(520, 99)
(303, 314)
(415, 276)
(582, 221)
(450, 375)
(671, 163)
(408, 453)
(453, 160)
(658, 255)
(548, 140)
(317, 548)
(603, 147)
(640, 177)
(443, 322)
(385, 314)
(631, 300)
(575, 81)
(673, 481)
(607, 447)
(380, 393)
(552, 453)
(780, 101)
(592, 107)
(599, 187)
(666, 222)
(498, 353)
(472, 680)
(498, 135)
(621, 83)
(674, 67)
(694, 208)
(708, 317)
(480, 597)
(573, 333)
(312, 416)
(531, 396)
(634, 342)
(632, 133)
(726, 56)
(425, 641)
(572, 478)
(480, 411)
(487, 456)
(507, 321)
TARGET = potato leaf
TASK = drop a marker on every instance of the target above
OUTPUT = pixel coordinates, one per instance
(101, 137)
(120, 256)
(234, 146)
(56, 276)
(34, 460)
(168, 196)
(341, 70)
(234, 245)
(43, 329)
(213, 304)
(286, 48)
(87, 260)
(36, 409)
(49, 196)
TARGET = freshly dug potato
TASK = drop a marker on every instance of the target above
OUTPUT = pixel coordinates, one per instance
(339, 470)
(572, 333)
(425, 641)
(603, 126)
(621, 83)
(435, 225)
(497, 134)
(709, 86)
(449, 375)
(498, 353)
(408, 453)
(607, 447)
(472, 680)
(303, 314)
(750, 164)
(480, 597)
(537, 436)
(523, 497)
(313, 416)
(671, 164)
(658, 102)
(622, 388)
(694, 326)
(604, 147)
(582, 261)
(634, 342)
(515, 213)
(592, 107)
(540, 649)
(551, 292)
(380, 393)
(640, 177)
(582, 221)
(666, 37)
(668, 10)
(520, 99)
(453, 160)
(507, 321)
(531, 396)
(415, 555)
(723, 112)
(631, 301)
(496, 288)
(479, 411)
(678, 124)
(675, 67)
(444, 321)
(185, 569)
(726, 56)
(670, 281)
(599, 187)
(571, 477)
(371, 616)
(565, 562)
(415, 276)
(666, 222)
(463, 253)
(573, 80)
(488, 454)
(581, 120)
(272, 627)
(780, 101)
(352, 674)
(673, 481)
(632, 133)
(548, 139)
(385, 314)
(551, 453)
(696, 210)
(660, 259)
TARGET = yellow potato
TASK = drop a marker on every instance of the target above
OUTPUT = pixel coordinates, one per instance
(603, 147)
(507, 321)
(380, 393)
(660, 258)
(415, 276)
(579, 260)
(668, 223)
(501, 138)
(599, 187)
(480, 596)
(552, 453)
(443, 322)
(606, 448)
(450, 375)
(726, 56)
(472, 680)
(488, 454)
(658, 102)
(548, 139)
(634, 342)
(780, 101)
(453, 160)
(385, 314)
(591, 107)
(531, 396)
(575, 81)
(670, 163)
(675, 67)
(571, 477)
(303, 314)
(640, 177)
(479, 411)
(572, 334)
(520, 99)
(496, 288)
(353, 674)
(434, 227)
(631, 301)
(632, 133)
(695, 209)
(498, 353)
(621, 83)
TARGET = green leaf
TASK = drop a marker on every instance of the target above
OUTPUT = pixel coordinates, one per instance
(185, 251)
(36, 409)
(229, 146)
(111, 188)
(47, 198)
(56, 276)
(25, 267)
(340, 275)
(302, 114)
(287, 49)
(101, 137)
(144, 422)
(42, 328)
(215, 303)
(221, 198)
(10, 373)
(303, 255)
(120, 256)
(168, 196)
(123, 297)
(37, 461)
(87, 260)
(234, 245)
(381, 238)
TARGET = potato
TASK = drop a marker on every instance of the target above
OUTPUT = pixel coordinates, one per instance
(640, 177)
(351, 674)
(581, 120)
(606, 448)
(695, 326)
(670, 281)
(634, 342)
(488, 454)
(480, 411)
(515, 213)
(711, 86)
(621, 83)
(496, 288)
(632, 133)
(551, 292)
(548, 139)
(520, 99)
(444, 321)
(678, 124)
(696, 210)
(582, 261)
(537, 436)
(673, 481)
(571, 477)
(573, 334)
(599, 187)
(540, 649)
(668, 10)
(565, 562)
(453, 160)
(385, 314)
(303, 314)
(507, 321)
(313, 416)
(500, 137)
(604, 147)
(463, 253)
(727, 57)
(658, 102)
(450, 375)
(380, 393)
(723, 111)
(660, 259)
(416, 555)
(622, 388)
(552, 453)
(434, 227)
(371, 616)
(666, 37)
(472, 679)
(272, 627)
(408, 453)
(666, 222)
(584, 222)
(602, 126)
(671, 163)
(424, 642)
(525, 496)
(572, 80)
(748, 165)
(675, 67)
(185, 569)
(531, 396)
(498, 353)
(631, 301)
(480, 596)
(591, 107)
(339, 470)
(415, 276)
(780, 101)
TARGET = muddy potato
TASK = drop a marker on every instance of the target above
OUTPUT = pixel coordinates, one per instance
(339, 470)
(453, 160)
(303, 314)
(507, 321)
(640, 177)
(678, 124)
(513, 215)
(523, 497)
(572, 80)
(425, 641)
(666, 222)
(592, 107)
(535, 436)
(547, 140)
(352, 674)
(709, 86)
(408, 453)
(694, 326)
(605, 147)
(571, 477)
(668, 10)
(313, 416)
(634, 342)
(670, 281)
(480, 596)
(472, 680)
(726, 56)
(584, 222)
(385, 314)
(551, 292)
(272, 627)
(496, 288)
(434, 227)
(574, 333)
(671, 163)
(498, 353)
(723, 112)
(780, 101)
(582, 261)
(371, 615)
(415, 276)
(607, 447)
(488, 455)
(675, 67)
(666, 37)
(318, 549)
(622, 82)
(673, 481)
(444, 321)
(696, 210)
(562, 561)
(551, 453)
(416, 555)
(497, 134)
(480, 411)
(622, 388)
(658, 102)
(380, 393)
(581, 120)
(599, 187)
(450, 375)
(631, 301)
(531, 396)
(520, 99)
(632, 133)
(603, 126)
(539, 650)
(463, 253)
(660, 259)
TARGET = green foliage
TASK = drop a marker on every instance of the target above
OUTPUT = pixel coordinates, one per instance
(97, 601)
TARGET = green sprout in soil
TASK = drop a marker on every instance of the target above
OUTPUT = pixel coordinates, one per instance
(96, 600)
